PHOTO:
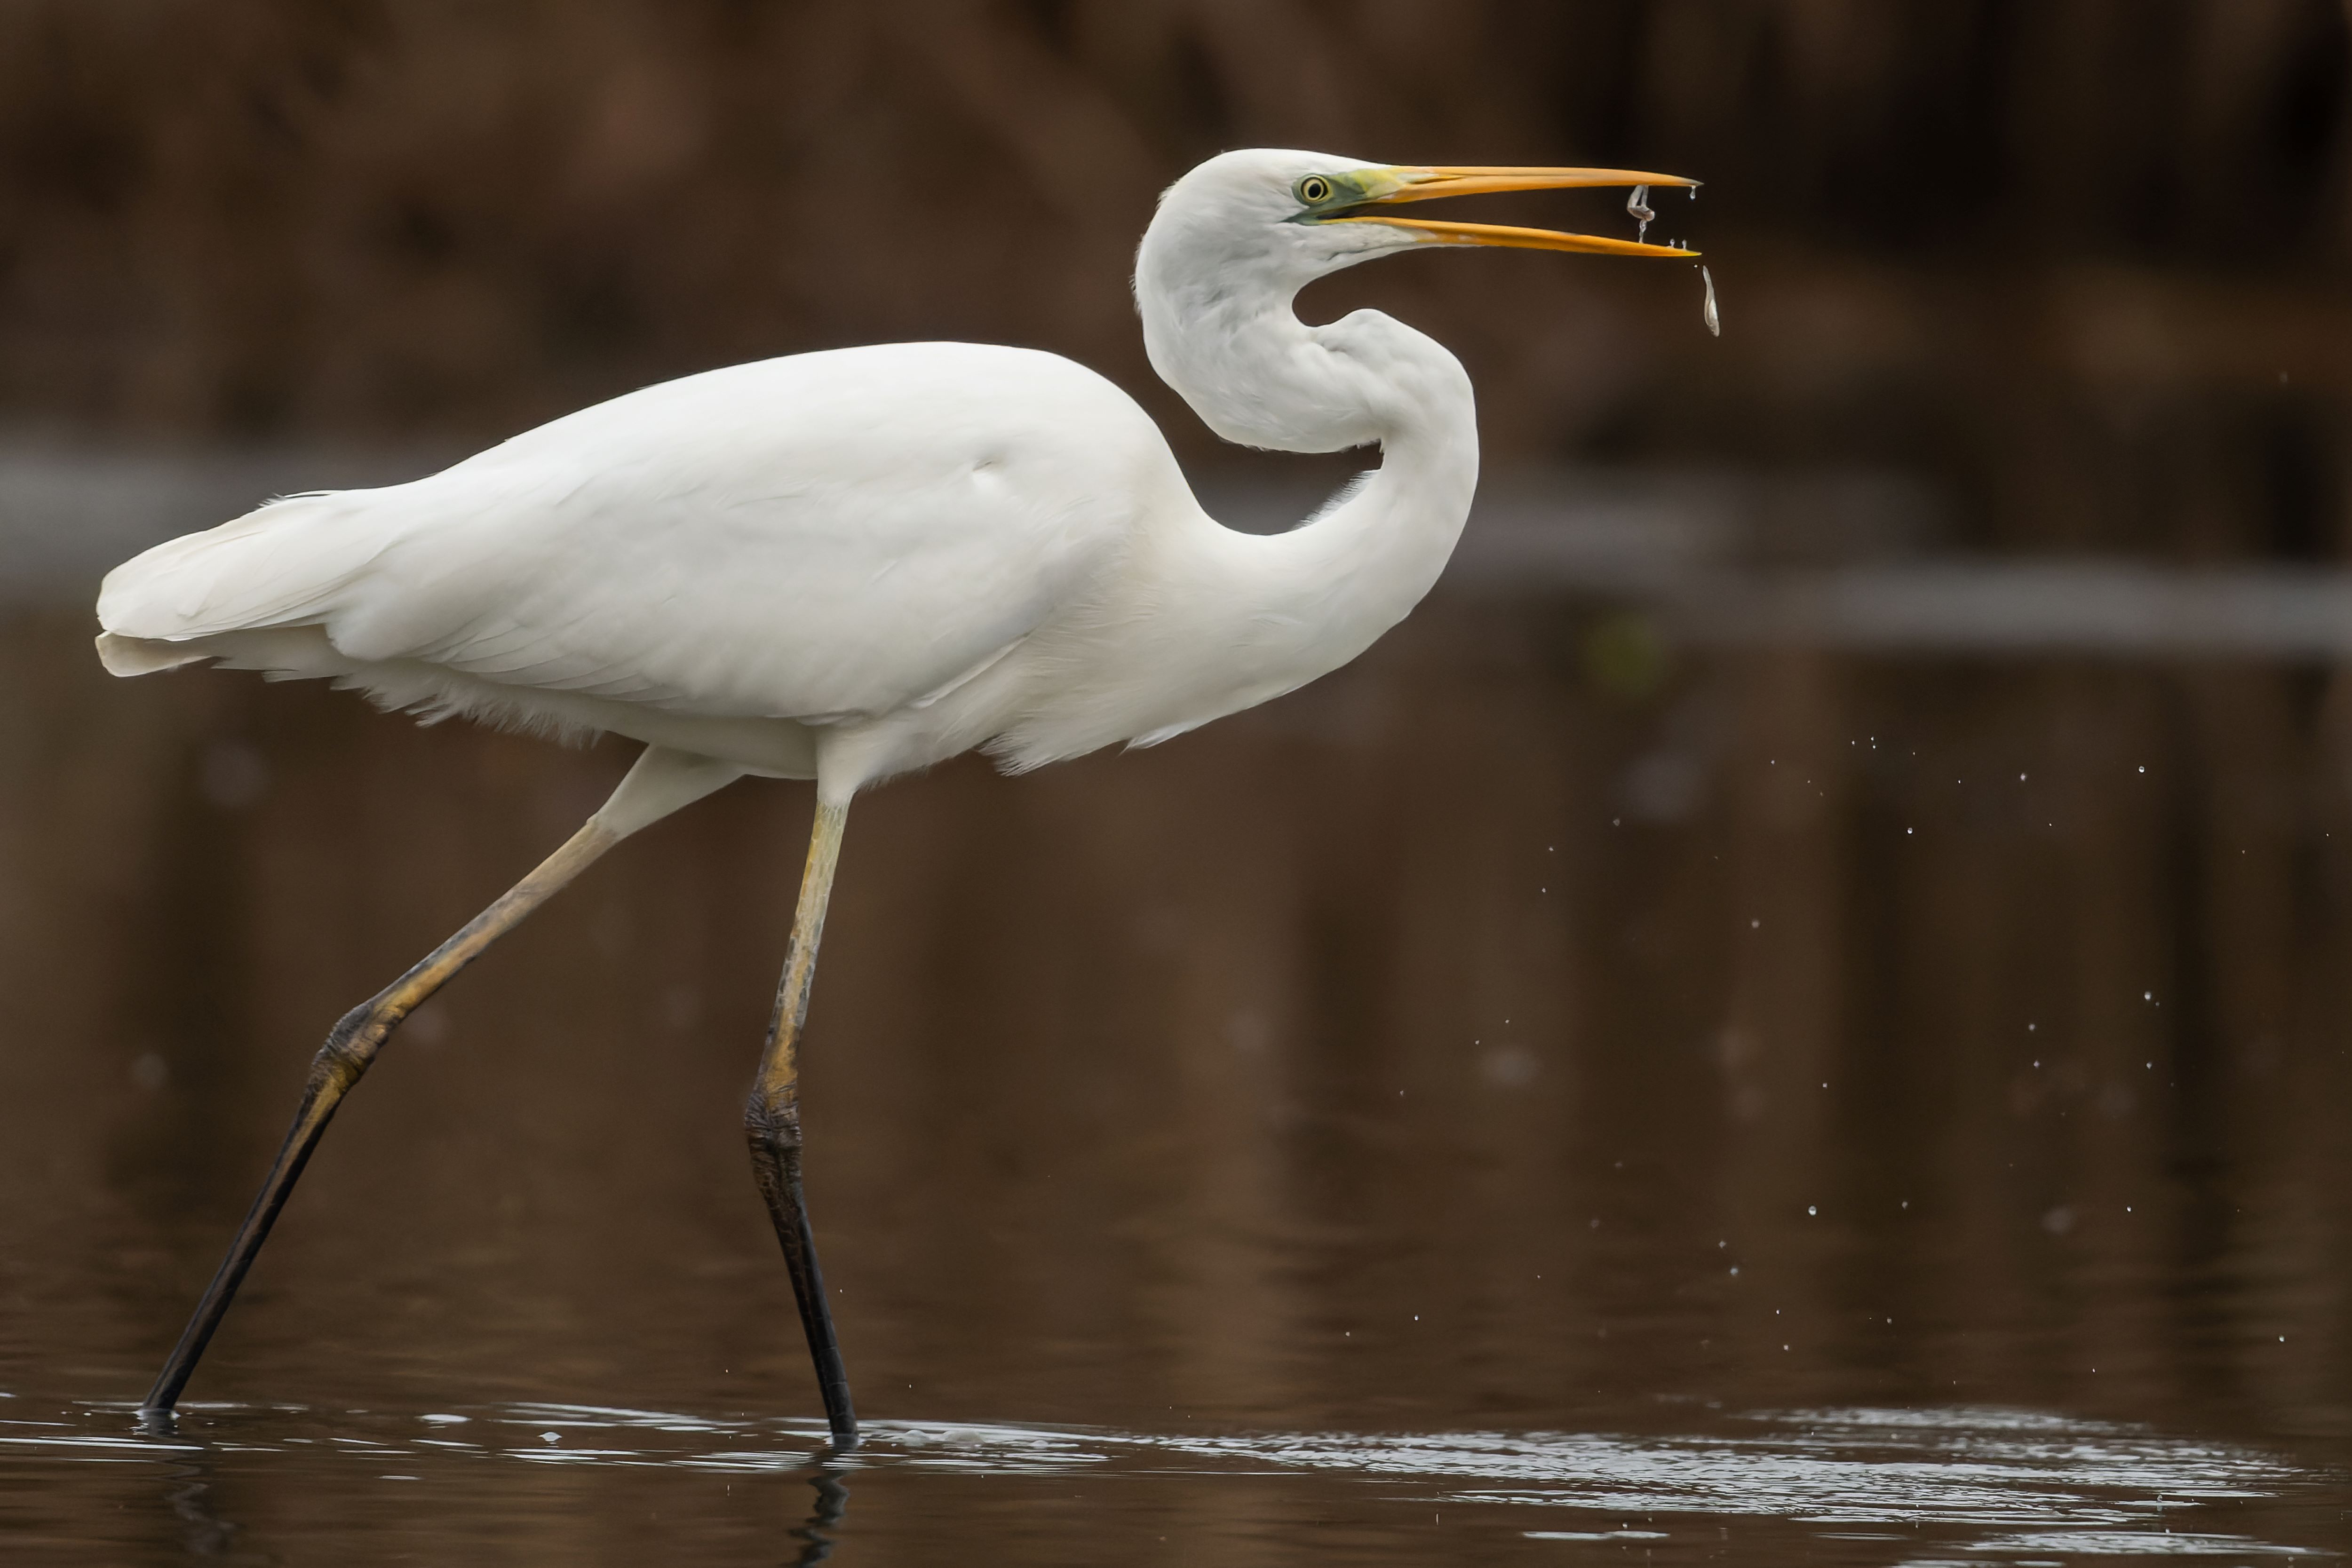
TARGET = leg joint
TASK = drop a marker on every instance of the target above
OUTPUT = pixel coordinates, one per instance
(350, 1046)
(773, 1122)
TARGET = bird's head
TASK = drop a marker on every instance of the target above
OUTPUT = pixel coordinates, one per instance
(1237, 237)
(1281, 219)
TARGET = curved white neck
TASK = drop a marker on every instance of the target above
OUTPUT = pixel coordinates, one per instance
(1256, 375)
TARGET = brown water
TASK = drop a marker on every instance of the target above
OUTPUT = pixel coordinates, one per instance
(1520, 1101)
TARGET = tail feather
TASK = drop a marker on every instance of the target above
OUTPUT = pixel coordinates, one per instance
(282, 565)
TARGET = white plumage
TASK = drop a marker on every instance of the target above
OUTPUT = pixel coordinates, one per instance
(846, 565)
(724, 562)
(856, 562)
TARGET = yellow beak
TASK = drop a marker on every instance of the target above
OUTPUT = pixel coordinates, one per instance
(1422, 184)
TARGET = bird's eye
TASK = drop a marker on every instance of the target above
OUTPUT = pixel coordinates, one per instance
(1314, 188)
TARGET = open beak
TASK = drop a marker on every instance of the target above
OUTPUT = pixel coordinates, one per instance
(1422, 184)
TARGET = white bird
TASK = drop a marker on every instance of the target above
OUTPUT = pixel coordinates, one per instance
(846, 565)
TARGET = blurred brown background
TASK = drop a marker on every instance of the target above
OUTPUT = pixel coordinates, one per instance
(1662, 1006)
(2057, 256)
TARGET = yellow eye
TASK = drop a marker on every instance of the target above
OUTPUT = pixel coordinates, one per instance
(1313, 189)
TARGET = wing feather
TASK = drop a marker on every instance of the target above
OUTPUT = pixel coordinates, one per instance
(824, 535)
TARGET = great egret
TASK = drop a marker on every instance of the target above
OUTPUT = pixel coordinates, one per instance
(849, 564)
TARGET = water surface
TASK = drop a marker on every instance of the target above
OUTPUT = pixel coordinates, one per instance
(1532, 1098)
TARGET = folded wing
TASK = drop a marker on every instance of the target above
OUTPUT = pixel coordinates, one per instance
(817, 537)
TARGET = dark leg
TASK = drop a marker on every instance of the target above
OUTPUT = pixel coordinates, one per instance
(771, 1121)
(832, 1504)
(351, 1047)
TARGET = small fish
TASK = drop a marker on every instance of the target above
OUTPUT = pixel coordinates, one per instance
(1706, 311)
(1638, 205)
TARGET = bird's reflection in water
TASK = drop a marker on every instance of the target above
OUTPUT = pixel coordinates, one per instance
(190, 1493)
(1959, 1481)
(190, 1486)
(832, 1504)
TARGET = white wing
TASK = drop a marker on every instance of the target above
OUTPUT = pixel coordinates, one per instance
(824, 535)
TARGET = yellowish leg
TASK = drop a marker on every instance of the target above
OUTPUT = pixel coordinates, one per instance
(771, 1122)
(351, 1047)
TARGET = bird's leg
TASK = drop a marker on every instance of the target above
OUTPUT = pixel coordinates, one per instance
(832, 1504)
(661, 781)
(771, 1122)
(352, 1045)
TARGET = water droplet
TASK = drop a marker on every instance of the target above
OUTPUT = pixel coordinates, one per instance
(1706, 311)
(1638, 205)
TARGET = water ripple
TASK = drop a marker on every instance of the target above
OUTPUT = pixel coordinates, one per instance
(1999, 1483)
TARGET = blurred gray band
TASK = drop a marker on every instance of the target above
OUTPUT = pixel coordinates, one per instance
(1837, 560)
